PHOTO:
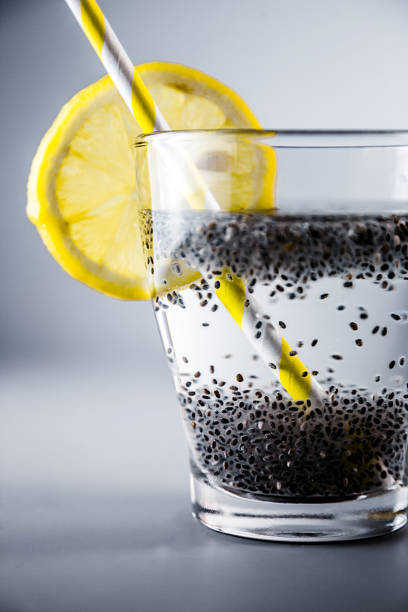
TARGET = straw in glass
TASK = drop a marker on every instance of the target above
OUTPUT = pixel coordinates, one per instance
(270, 344)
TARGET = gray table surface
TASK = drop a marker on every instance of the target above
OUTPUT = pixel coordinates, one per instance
(94, 501)
(95, 512)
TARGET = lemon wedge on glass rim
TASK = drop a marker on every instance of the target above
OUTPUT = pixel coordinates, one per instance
(81, 192)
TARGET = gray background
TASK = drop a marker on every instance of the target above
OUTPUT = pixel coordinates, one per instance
(94, 508)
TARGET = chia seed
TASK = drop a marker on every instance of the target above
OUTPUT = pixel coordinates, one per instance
(253, 438)
(326, 461)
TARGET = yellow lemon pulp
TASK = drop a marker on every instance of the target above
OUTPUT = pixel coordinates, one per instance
(81, 188)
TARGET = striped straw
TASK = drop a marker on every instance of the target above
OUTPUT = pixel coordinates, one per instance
(269, 343)
(118, 65)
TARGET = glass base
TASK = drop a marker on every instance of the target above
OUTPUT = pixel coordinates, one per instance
(364, 516)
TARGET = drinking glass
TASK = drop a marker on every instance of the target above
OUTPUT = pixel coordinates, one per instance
(279, 262)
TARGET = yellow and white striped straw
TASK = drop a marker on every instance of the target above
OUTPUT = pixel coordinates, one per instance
(118, 65)
(267, 341)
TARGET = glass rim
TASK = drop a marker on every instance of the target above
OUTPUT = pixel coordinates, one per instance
(291, 138)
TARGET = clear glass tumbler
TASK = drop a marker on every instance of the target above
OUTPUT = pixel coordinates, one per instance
(280, 265)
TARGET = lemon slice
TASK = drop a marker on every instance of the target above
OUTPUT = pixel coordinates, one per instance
(81, 188)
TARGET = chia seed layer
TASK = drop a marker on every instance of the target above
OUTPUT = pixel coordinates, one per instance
(284, 252)
(264, 444)
(258, 441)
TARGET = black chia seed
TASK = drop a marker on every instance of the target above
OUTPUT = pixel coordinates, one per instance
(257, 440)
(332, 451)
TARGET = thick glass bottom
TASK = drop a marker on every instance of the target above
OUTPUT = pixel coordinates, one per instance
(364, 516)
